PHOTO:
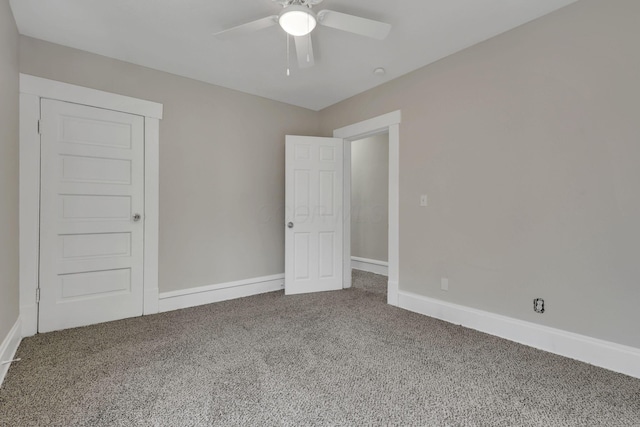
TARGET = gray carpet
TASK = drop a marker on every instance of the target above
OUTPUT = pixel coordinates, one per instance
(336, 358)
(369, 282)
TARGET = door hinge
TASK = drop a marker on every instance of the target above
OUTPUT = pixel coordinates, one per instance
(37, 295)
(39, 128)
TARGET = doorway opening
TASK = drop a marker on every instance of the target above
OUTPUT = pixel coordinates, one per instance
(389, 126)
(370, 211)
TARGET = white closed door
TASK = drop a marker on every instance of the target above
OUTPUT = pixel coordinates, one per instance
(313, 218)
(91, 215)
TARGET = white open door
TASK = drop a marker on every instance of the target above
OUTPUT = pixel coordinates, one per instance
(313, 218)
(91, 220)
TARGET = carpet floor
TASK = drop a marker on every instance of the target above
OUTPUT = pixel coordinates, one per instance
(334, 358)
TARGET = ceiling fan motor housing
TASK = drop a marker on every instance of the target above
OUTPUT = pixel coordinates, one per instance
(297, 20)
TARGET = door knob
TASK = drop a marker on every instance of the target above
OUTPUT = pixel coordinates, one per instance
(290, 225)
(136, 217)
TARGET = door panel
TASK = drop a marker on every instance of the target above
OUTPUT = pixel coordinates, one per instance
(302, 261)
(94, 131)
(327, 248)
(94, 283)
(95, 245)
(103, 208)
(95, 169)
(92, 183)
(313, 246)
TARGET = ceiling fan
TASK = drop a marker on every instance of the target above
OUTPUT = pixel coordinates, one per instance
(298, 20)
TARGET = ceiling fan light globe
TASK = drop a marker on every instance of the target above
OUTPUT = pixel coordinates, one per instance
(297, 20)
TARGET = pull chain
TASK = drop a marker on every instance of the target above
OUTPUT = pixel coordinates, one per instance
(288, 62)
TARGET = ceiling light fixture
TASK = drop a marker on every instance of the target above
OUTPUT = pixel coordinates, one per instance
(297, 20)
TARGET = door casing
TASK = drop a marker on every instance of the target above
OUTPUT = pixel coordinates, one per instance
(32, 90)
(386, 123)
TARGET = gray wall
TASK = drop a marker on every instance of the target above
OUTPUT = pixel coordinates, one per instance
(221, 164)
(528, 146)
(370, 197)
(9, 87)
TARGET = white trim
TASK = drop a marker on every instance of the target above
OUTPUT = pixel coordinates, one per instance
(202, 295)
(151, 216)
(32, 90)
(51, 89)
(394, 214)
(9, 347)
(393, 293)
(370, 265)
(389, 122)
(29, 208)
(605, 354)
(346, 206)
(369, 127)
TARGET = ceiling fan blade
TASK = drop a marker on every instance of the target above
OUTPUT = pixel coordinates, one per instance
(304, 51)
(247, 28)
(354, 24)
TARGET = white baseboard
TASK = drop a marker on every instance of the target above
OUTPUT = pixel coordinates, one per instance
(202, 295)
(605, 354)
(370, 265)
(392, 293)
(8, 348)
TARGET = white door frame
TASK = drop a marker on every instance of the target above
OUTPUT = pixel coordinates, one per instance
(32, 89)
(386, 123)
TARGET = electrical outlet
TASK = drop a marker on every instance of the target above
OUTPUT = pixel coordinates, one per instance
(444, 284)
(538, 305)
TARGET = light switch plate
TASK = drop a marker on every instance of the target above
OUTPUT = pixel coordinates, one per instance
(424, 200)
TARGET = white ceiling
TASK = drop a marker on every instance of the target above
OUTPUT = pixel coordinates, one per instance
(176, 36)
